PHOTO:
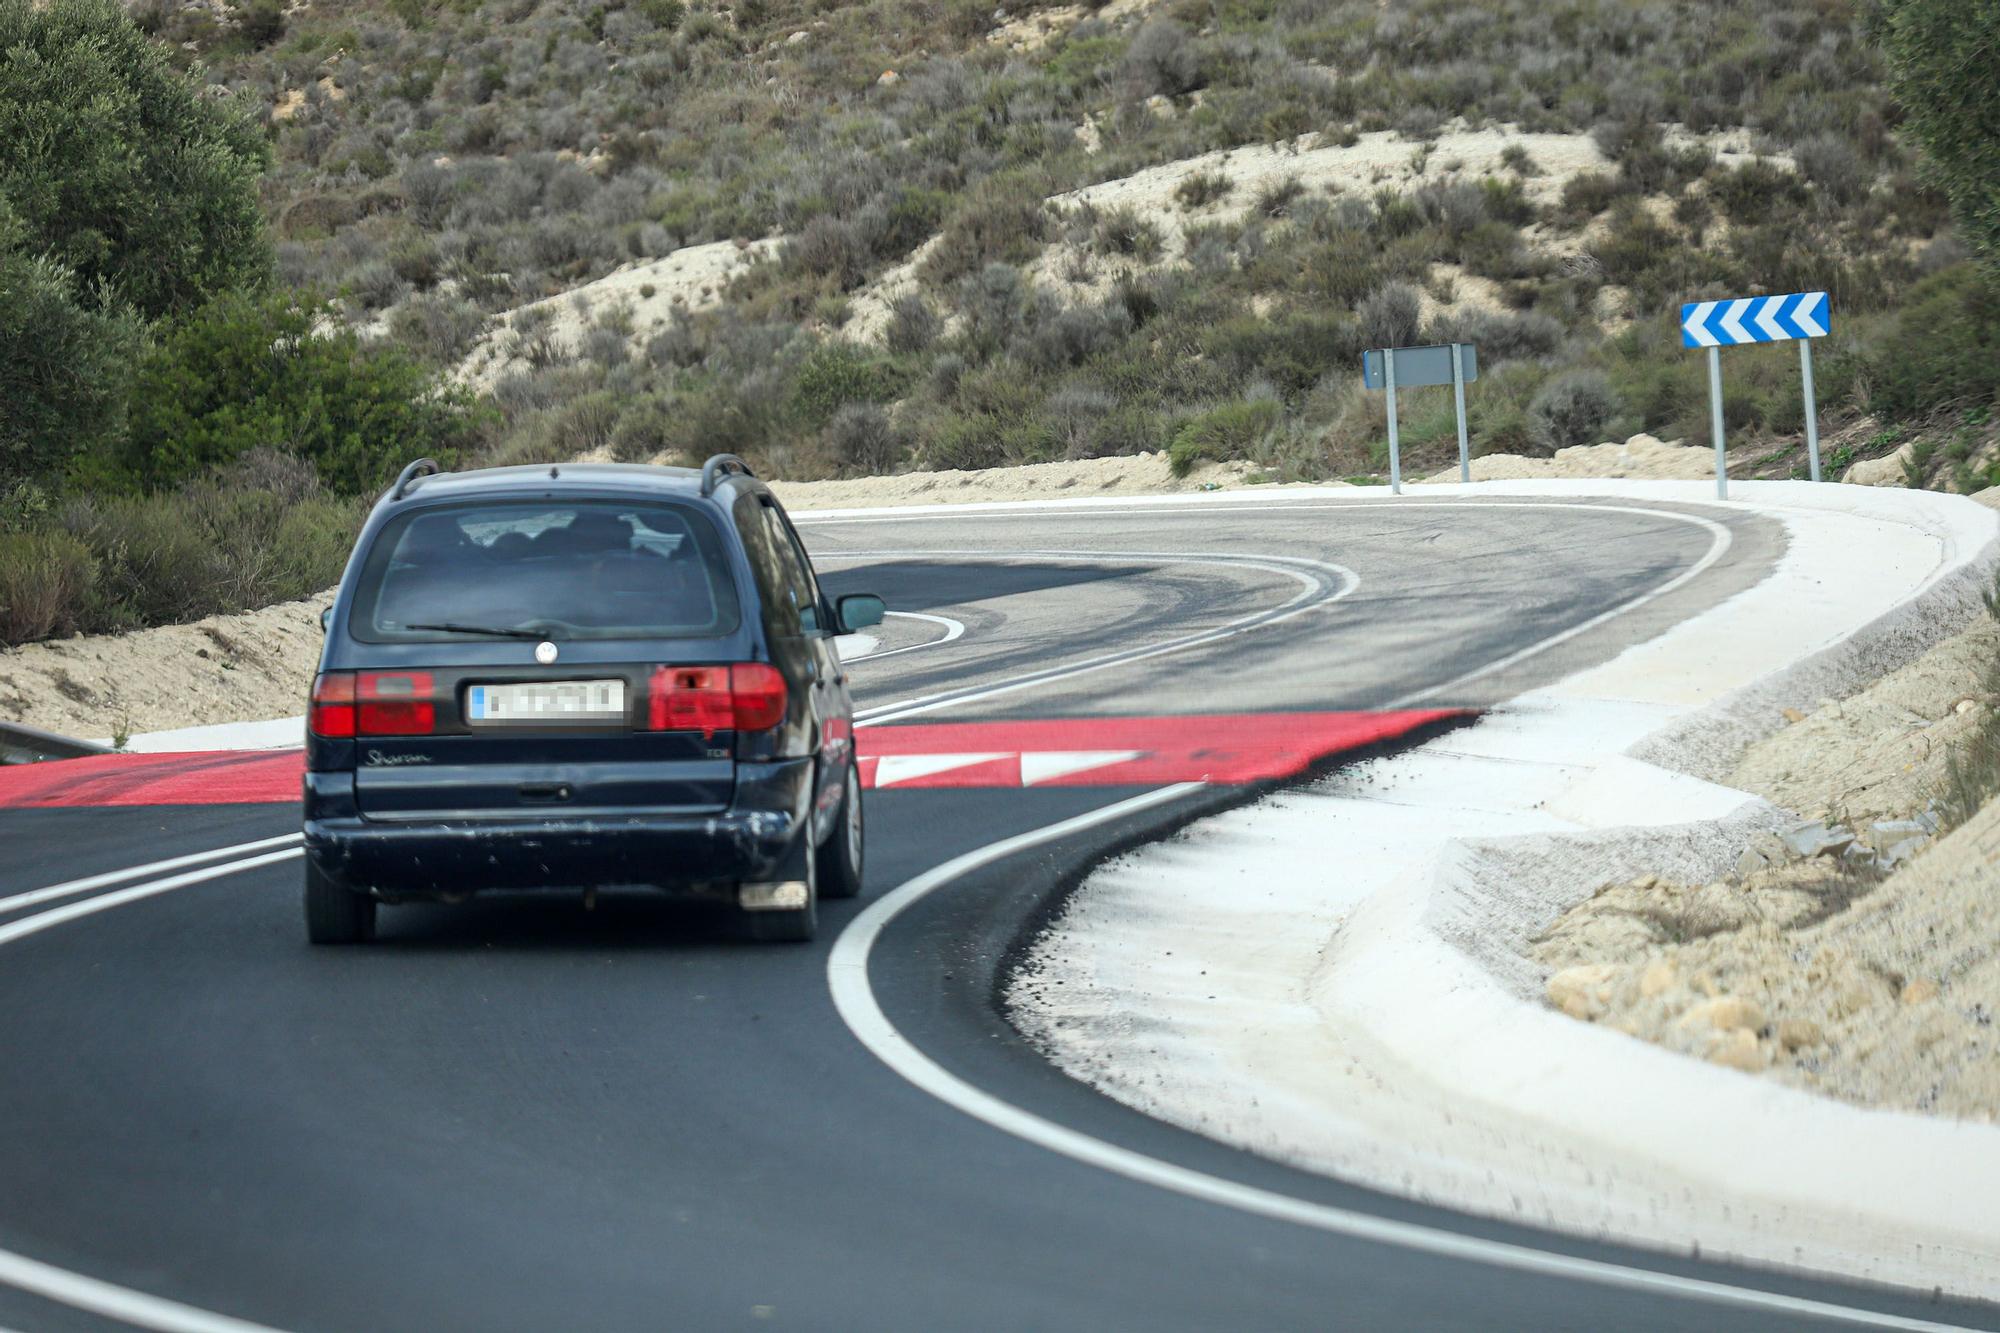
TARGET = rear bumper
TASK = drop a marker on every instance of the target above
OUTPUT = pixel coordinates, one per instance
(698, 854)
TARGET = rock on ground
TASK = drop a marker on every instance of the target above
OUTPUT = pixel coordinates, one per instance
(1885, 471)
(1641, 457)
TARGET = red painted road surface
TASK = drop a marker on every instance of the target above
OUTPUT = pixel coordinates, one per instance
(1075, 752)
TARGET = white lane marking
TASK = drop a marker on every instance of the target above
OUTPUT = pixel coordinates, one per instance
(953, 629)
(1719, 544)
(55, 916)
(847, 979)
(115, 1302)
(136, 1308)
(89, 882)
(1295, 567)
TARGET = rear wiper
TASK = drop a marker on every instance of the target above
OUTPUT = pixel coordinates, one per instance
(497, 631)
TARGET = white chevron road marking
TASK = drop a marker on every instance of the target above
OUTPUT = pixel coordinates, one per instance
(1048, 765)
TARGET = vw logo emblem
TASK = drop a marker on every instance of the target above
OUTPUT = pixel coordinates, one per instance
(545, 652)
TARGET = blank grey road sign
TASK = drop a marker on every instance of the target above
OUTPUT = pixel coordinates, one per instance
(1417, 367)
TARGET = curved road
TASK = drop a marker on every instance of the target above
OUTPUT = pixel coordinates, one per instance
(519, 1115)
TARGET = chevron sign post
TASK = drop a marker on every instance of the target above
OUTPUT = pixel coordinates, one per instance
(1797, 317)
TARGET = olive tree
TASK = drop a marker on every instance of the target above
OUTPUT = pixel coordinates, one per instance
(1943, 54)
(122, 169)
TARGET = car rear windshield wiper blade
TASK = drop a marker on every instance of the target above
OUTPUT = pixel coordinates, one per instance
(498, 631)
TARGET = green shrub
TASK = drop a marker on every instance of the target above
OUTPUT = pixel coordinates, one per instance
(1163, 60)
(1506, 200)
(1390, 317)
(1587, 195)
(1202, 188)
(913, 325)
(839, 373)
(246, 372)
(1756, 192)
(259, 533)
(970, 441)
(1229, 431)
(1944, 350)
(862, 441)
(1571, 409)
(1002, 219)
(261, 22)
(1124, 232)
(1339, 271)
(46, 579)
(1276, 199)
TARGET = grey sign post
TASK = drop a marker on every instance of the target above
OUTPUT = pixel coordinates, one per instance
(1393, 368)
(1800, 316)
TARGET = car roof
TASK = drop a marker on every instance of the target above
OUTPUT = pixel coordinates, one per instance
(561, 478)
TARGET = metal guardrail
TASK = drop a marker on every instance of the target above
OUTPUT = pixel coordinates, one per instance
(23, 744)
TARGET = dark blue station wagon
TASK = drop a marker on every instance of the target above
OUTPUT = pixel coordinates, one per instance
(582, 676)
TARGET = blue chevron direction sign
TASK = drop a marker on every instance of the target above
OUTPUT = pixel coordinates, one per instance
(1754, 319)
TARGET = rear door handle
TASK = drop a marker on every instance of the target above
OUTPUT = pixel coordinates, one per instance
(545, 791)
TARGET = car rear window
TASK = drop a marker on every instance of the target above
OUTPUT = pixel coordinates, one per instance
(580, 570)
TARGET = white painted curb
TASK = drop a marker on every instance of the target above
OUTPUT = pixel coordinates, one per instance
(1336, 977)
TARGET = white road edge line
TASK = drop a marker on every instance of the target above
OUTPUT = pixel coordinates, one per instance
(115, 1302)
(75, 886)
(854, 998)
(953, 629)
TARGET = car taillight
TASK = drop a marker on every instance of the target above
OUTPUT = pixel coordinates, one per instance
(395, 703)
(331, 713)
(749, 696)
(689, 699)
(756, 696)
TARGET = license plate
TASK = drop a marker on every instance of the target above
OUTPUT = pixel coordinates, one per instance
(547, 701)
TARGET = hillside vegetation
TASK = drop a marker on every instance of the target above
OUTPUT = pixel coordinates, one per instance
(935, 268)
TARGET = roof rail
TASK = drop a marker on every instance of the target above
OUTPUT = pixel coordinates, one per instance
(423, 467)
(712, 471)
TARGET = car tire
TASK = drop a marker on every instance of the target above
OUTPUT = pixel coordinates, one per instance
(336, 914)
(796, 926)
(840, 856)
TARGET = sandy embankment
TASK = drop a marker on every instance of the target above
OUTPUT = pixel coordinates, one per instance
(237, 668)
(1809, 965)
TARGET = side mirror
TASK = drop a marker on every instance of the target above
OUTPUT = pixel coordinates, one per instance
(858, 611)
(325, 619)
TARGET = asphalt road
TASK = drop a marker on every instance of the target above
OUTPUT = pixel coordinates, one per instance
(519, 1115)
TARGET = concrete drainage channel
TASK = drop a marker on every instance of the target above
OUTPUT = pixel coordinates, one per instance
(23, 744)
(1337, 976)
